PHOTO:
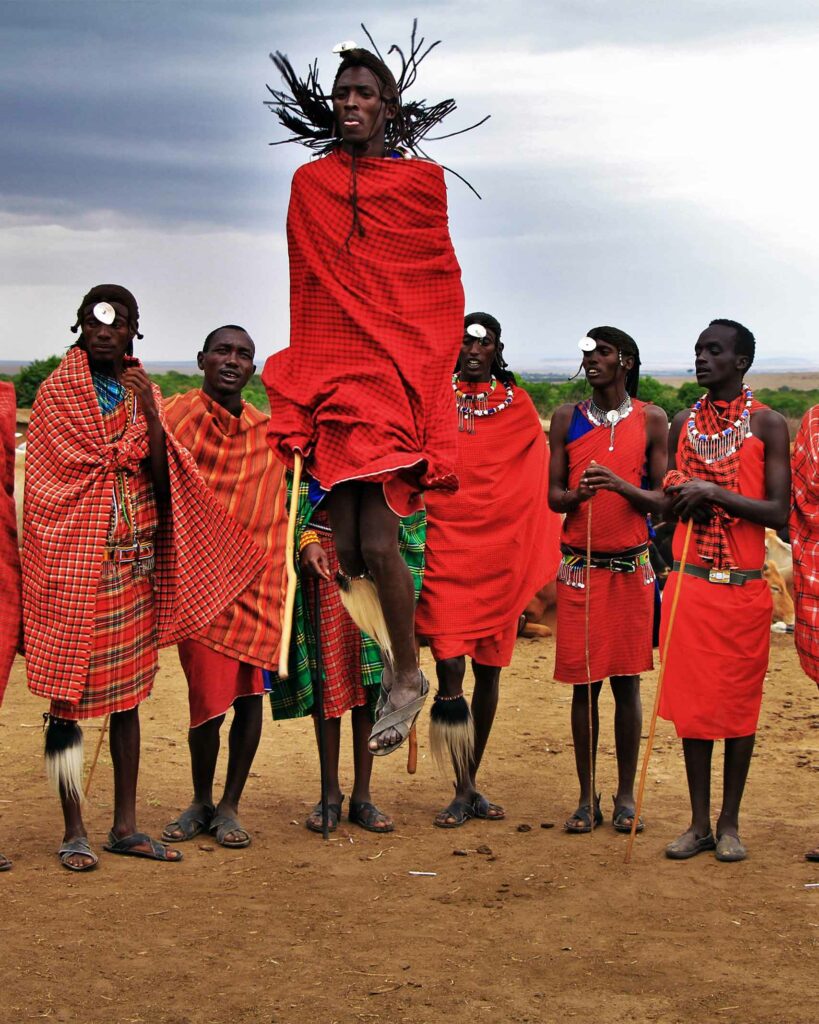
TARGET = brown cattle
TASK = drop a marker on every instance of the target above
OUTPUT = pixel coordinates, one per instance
(539, 613)
(782, 616)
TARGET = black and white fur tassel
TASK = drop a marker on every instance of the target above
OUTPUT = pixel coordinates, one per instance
(64, 757)
(452, 733)
(360, 598)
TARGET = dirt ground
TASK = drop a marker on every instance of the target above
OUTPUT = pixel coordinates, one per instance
(538, 926)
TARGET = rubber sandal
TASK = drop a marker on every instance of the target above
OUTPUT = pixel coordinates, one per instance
(812, 854)
(5, 863)
(333, 817)
(127, 847)
(365, 815)
(580, 822)
(623, 817)
(79, 844)
(401, 719)
(220, 828)
(730, 848)
(191, 823)
(689, 844)
(481, 808)
(461, 811)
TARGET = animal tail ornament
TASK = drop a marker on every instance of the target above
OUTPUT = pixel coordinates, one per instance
(452, 734)
(360, 598)
(64, 757)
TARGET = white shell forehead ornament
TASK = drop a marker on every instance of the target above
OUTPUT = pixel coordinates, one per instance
(341, 48)
(587, 344)
(476, 331)
(104, 312)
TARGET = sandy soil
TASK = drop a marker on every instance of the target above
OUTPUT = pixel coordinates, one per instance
(538, 926)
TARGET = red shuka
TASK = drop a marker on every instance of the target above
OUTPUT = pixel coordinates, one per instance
(491, 546)
(376, 321)
(621, 605)
(10, 621)
(805, 540)
(712, 684)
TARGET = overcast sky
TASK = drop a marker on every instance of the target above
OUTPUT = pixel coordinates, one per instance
(648, 165)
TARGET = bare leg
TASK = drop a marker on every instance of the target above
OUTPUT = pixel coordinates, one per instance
(344, 510)
(484, 706)
(737, 762)
(243, 742)
(580, 736)
(332, 748)
(74, 828)
(450, 673)
(698, 771)
(203, 743)
(376, 820)
(628, 723)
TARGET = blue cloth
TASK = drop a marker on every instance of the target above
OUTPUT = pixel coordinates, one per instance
(109, 391)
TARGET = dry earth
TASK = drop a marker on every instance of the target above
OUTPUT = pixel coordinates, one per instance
(545, 927)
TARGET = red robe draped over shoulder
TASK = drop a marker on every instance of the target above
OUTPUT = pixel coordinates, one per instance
(376, 323)
(805, 539)
(492, 545)
(10, 615)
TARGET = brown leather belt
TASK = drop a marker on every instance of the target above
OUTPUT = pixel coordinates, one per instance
(731, 577)
(125, 554)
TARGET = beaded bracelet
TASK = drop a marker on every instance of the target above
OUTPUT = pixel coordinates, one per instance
(308, 537)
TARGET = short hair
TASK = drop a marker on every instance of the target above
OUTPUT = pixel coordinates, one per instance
(628, 346)
(499, 365)
(745, 342)
(225, 327)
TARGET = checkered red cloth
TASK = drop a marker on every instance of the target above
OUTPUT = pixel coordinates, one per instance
(375, 327)
(805, 540)
(491, 546)
(203, 559)
(240, 468)
(10, 622)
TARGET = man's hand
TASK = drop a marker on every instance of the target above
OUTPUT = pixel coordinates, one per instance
(313, 560)
(693, 500)
(135, 378)
(600, 478)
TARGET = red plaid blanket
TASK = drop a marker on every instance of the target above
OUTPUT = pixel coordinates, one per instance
(805, 539)
(9, 554)
(376, 322)
(203, 559)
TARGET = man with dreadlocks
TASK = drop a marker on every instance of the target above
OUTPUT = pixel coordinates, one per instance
(730, 473)
(608, 459)
(376, 308)
(124, 548)
(489, 548)
(804, 526)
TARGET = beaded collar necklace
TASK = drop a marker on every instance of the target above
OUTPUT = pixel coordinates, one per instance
(470, 405)
(713, 447)
(608, 417)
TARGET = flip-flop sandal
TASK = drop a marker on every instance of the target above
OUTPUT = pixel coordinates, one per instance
(333, 817)
(689, 845)
(401, 719)
(461, 811)
(730, 848)
(128, 847)
(812, 854)
(191, 823)
(580, 822)
(623, 817)
(220, 828)
(366, 816)
(483, 808)
(5, 863)
(77, 845)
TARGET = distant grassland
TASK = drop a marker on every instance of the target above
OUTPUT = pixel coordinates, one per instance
(672, 395)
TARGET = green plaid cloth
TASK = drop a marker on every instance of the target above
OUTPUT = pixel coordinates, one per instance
(293, 697)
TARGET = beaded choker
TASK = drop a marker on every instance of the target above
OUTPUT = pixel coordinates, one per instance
(712, 447)
(472, 404)
(608, 417)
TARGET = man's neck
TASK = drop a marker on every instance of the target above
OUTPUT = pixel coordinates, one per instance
(726, 392)
(232, 403)
(111, 369)
(610, 397)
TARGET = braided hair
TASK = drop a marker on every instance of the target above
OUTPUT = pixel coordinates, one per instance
(627, 346)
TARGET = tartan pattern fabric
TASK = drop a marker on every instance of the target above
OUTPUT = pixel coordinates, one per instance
(293, 697)
(804, 526)
(203, 560)
(712, 537)
(10, 613)
(376, 325)
(239, 466)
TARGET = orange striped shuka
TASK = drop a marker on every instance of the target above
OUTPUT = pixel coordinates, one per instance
(241, 469)
(10, 624)
(203, 558)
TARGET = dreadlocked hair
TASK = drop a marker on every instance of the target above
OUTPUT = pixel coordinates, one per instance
(305, 109)
(627, 346)
(499, 368)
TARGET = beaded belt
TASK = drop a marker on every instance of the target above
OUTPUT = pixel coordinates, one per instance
(573, 564)
(732, 577)
(125, 554)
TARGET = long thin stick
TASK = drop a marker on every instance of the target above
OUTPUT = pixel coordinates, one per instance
(318, 703)
(412, 752)
(290, 561)
(650, 741)
(100, 738)
(593, 796)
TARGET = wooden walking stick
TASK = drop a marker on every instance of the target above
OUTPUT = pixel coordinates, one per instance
(290, 560)
(318, 704)
(650, 741)
(412, 752)
(100, 738)
(593, 796)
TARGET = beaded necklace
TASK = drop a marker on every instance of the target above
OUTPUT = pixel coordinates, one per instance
(608, 417)
(713, 447)
(477, 404)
